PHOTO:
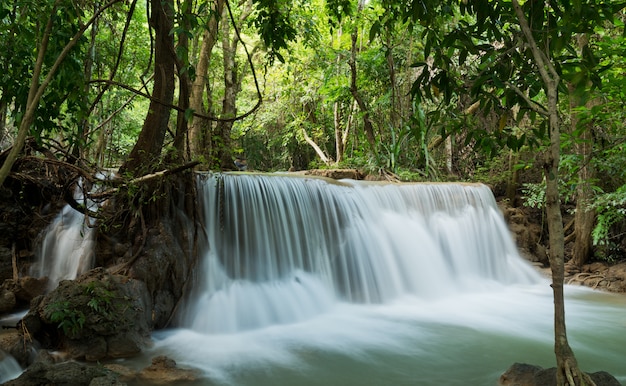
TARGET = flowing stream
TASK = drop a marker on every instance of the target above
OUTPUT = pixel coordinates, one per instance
(308, 281)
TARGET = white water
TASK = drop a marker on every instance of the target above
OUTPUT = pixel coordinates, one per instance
(308, 282)
(9, 368)
(66, 250)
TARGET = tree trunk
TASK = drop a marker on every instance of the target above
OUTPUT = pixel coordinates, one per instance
(200, 128)
(339, 145)
(368, 127)
(147, 149)
(568, 373)
(184, 82)
(584, 217)
(513, 181)
(3, 122)
(222, 152)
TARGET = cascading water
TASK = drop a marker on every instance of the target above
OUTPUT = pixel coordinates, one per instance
(67, 247)
(306, 281)
(281, 249)
(9, 368)
(66, 250)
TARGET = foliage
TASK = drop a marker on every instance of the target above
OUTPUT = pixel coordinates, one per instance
(86, 306)
(534, 195)
(69, 319)
(611, 212)
(21, 31)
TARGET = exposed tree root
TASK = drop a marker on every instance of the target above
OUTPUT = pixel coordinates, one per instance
(573, 374)
(584, 276)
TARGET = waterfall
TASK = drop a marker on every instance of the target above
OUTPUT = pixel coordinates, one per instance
(283, 249)
(9, 368)
(67, 248)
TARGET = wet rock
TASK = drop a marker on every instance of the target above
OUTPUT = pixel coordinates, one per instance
(19, 347)
(526, 234)
(6, 267)
(522, 374)
(63, 374)
(7, 300)
(519, 374)
(336, 174)
(26, 288)
(164, 266)
(107, 380)
(95, 317)
(164, 371)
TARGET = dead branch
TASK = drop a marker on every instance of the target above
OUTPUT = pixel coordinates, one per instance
(142, 179)
(315, 146)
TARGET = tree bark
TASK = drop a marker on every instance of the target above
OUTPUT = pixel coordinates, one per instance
(339, 145)
(368, 127)
(147, 149)
(568, 373)
(200, 128)
(584, 217)
(3, 121)
(222, 152)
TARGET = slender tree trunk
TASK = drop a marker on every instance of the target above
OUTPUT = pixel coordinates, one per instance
(184, 82)
(339, 145)
(391, 67)
(232, 86)
(200, 128)
(584, 217)
(148, 147)
(513, 180)
(221, 150)
(3, 121)
(81, 140)
(568, 372)
(368, 127)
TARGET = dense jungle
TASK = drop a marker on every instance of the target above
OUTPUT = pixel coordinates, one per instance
(112, 109)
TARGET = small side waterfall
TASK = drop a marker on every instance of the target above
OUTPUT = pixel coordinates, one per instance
(66, 250)
(282, 249)
(9, 368)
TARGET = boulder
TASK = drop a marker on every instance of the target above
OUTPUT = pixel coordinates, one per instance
(19, 347)
(98, 316)
(7, 300)
(25, 289)
(522, 374)
(64, 374)
(164, 371)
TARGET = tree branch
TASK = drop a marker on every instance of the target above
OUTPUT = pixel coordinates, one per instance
(535, 106)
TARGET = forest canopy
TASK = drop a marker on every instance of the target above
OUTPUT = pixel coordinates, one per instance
(416, 89)
(420, 90)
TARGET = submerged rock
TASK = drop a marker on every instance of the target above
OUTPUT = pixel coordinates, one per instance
(522, 374)
(164, 371)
